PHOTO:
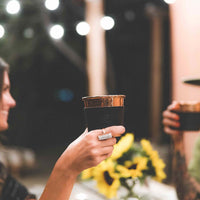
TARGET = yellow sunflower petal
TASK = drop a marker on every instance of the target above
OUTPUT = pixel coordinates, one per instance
(146, 145)
(123, 171)
(87, 173)
(107, 179)
(122, 146)
(141, 162)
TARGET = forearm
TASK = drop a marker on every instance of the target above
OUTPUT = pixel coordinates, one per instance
(85, 152)
(59, 185)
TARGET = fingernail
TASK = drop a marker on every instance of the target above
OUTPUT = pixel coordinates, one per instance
(177, 117)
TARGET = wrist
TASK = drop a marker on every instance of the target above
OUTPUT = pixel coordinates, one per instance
(65, 166)
(60, 183)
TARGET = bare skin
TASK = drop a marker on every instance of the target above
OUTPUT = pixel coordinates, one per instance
(187, 186)
(171, 119)
(85, 152)
(7, 102)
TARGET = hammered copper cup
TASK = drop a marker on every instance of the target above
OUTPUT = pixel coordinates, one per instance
(187, 152)
(103, 111)
(189, 113)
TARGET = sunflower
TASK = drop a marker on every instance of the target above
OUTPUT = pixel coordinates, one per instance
(133, 168)
(127, 162)
(122, 146)
(146, 145)
(140, 162)
(157, 163)
(160, 175)
(107, 179)
(87, 173)
(159, 166)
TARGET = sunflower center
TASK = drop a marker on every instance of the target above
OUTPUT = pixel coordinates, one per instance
(108, 178)
(134, 166)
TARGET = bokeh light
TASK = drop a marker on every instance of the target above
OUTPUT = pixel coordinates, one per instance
(2, 31)
(52, 4)
(82, 28)
(169, 1)
(56, 31)
(28, 33)
(13, 7)
(129, 15)
(64, 95)
(107, 22)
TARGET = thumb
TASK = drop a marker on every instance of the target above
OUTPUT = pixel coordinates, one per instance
(85, 132)
(175, 105)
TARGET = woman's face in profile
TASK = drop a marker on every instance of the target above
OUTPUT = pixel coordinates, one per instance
(6, 103)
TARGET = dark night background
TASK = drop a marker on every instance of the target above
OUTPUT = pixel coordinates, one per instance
(48, 86)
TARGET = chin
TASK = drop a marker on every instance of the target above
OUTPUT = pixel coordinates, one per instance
(3, 127)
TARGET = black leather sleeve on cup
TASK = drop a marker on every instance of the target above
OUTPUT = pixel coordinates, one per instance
(13, 190)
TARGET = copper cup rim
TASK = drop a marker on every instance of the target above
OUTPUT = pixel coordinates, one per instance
(100, 96)
(189, 106)
(104, 100)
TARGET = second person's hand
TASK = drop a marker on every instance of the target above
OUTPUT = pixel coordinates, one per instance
(171, 120)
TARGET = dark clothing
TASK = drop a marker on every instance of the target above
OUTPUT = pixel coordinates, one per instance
(11, 189)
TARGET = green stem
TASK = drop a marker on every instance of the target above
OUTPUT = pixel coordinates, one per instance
(130, 190)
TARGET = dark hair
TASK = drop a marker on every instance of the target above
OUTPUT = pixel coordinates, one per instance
(3, 67)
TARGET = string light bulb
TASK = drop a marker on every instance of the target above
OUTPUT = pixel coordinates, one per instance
(2, 31)
(170, 1)
(56, 32)
(13, 7)
(107, 23)
(82, 28)
(52, 4)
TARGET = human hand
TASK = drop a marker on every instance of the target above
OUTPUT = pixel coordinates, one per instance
(88, 151)
(170, 119)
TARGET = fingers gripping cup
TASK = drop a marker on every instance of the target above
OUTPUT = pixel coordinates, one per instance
(103, 111)
(186, 162)
(189, 113)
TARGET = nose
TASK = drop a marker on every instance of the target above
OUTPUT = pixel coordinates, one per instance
(12, 102)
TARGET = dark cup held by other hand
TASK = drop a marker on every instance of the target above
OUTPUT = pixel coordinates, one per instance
(103, 111)
(189, 113)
